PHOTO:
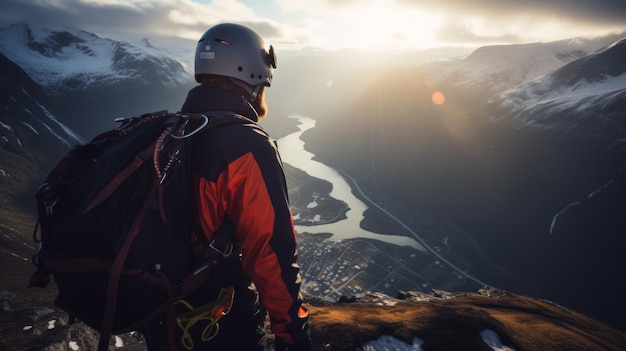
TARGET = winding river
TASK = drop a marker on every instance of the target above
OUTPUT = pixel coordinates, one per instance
(292, 151)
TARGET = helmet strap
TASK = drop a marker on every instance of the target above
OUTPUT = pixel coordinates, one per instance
(252, 93)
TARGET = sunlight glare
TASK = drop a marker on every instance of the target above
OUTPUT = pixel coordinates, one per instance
(380, 26)
(438, 98)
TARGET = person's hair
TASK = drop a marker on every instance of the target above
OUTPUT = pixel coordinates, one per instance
(227, 83)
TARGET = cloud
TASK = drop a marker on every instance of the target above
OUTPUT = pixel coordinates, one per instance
(335, 23)
(182, 18)
(596, 11)
(454, 32)
(481, 22)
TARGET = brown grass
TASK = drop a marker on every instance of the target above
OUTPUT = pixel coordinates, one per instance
(455, 324)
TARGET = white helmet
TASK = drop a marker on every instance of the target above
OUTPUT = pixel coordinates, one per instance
(235, 51)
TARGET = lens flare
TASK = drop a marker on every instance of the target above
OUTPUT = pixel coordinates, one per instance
(438, 98)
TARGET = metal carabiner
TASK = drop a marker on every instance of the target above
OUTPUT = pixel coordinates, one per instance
(226, 251)
(185, 122)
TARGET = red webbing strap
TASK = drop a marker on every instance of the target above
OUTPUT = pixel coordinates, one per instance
(116, 271)
(139, 159)
(104, 135)
(195, 278)
(58, 169)
(223, 247)
(171, 315)
(167, 306)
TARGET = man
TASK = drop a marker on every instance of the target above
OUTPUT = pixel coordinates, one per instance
(238, 175)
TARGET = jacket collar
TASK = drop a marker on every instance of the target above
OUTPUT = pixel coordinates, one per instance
(204, 99)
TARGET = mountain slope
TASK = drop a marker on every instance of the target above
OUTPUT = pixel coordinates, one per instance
(542, 202)
(31, 137)
(493, 69)
(94, 80)
(488, 320)
(586, 97)
(68, 58)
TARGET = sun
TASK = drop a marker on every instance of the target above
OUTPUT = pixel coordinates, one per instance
(382, 26)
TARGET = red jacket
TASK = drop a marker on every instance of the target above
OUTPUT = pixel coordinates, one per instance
(238, 173)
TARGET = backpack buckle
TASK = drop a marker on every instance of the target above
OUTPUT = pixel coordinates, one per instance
(226, 251)
(49, 206)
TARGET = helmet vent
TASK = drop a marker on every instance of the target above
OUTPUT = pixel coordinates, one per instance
(224, 42)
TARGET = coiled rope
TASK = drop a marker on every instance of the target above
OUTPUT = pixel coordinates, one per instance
(211, 312)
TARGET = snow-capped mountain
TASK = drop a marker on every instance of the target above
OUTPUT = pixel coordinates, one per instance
(67, 58)
(92, 79)
(586, 96)
(491, 70)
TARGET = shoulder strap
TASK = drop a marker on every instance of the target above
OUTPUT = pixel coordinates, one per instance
(223, 243)
(222, 118)
(210, 120)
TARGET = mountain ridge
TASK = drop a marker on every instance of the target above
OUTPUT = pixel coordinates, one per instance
(585, 90)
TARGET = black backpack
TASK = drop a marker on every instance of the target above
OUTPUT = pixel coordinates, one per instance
(116, 220)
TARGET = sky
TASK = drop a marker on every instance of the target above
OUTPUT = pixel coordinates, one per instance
(377, 25)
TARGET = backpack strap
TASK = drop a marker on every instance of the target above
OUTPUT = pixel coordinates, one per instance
(115, 273)
(222, 247)
(139, 159)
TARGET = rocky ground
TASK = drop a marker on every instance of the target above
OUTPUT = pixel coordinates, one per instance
(414, 321)
(484, 320)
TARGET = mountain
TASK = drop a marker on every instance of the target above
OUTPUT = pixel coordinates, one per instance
(590, 91)
(525, 155)
(93, 79)
(490, 70)
(31, 135)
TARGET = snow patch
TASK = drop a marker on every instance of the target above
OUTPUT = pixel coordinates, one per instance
(65, 128)
(556, 216)
(118, 341)
(30, 127)
(50, 129)
(591, 195)
(541, 93)
(389, 343)
(493, 340)
(6, 126)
